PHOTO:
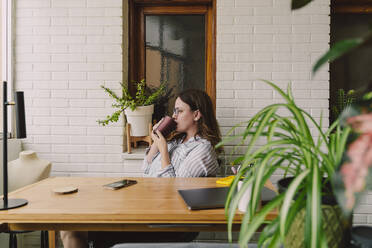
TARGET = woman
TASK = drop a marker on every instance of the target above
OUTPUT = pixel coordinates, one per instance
(190, 153)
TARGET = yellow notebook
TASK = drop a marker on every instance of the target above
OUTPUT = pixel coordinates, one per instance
(225, 180)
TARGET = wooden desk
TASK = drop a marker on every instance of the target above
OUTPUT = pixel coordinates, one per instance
(153, 204)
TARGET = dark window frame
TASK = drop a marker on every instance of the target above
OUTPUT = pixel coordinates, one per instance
(342, 8)
(351, 6)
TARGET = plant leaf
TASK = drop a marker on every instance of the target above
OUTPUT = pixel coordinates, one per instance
(232, 200)
(292, 189)
(313, 218)
(275, 241)
(260, 128)
(258, 219)
(143, 97)
(268, 232)
(296, 207)
(336, 51)
(258, 182)
(296, 4)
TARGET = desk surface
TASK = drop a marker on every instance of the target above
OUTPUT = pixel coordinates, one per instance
(153, 203)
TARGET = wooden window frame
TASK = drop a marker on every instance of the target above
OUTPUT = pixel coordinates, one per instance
(351, 6)
(137, 11)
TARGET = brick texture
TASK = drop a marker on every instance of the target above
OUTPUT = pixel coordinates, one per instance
(64, 51)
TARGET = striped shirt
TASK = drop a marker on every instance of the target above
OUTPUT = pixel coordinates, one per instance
(194, 158)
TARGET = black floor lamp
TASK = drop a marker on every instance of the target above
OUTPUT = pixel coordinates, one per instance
(21, 133)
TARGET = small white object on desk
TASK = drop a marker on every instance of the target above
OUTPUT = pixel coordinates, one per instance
(244, 201)
(65, 190)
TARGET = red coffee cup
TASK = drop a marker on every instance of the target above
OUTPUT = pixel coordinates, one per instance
(166, 126)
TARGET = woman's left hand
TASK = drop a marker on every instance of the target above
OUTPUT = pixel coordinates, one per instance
(159, 141)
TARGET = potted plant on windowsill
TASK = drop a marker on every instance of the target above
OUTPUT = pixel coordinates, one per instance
(292, 149)
(138, 108)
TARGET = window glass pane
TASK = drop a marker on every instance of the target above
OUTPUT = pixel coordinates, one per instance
(351, 71)
(175, 51)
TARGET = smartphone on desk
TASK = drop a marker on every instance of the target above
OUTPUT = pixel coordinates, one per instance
(120, 184)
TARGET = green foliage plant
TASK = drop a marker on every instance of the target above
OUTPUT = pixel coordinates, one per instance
(356, 167)
(344, 99)
(144, 96)
(290, 148)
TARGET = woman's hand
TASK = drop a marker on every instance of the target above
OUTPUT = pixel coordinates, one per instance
(159, 141)
(154, 147)
(157, 124)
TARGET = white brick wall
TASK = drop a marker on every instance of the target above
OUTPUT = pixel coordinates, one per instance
(264, 39)
(65, 49)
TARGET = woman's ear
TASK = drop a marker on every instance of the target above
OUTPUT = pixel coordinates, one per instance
(197, 115)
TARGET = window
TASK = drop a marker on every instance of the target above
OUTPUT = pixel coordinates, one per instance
(173, 41)
(350, 19)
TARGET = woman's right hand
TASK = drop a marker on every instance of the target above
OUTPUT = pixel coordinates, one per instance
(160, 143)
(154, 148)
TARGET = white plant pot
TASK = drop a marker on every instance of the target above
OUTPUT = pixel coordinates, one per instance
(139, 120)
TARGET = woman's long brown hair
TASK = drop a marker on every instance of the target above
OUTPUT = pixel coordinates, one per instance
(207, 125)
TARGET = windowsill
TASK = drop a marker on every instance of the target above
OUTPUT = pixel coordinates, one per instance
(9, 135)
(137, 154)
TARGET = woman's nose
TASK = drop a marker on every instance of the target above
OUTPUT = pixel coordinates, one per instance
(174, 116)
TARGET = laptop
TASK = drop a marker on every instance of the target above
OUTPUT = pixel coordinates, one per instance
(209, 198)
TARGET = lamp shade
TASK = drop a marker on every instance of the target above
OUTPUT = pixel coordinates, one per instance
(20, 115)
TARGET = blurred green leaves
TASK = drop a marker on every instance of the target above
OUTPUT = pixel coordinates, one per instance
(340, 48)
(296, 4)
(337, 50)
